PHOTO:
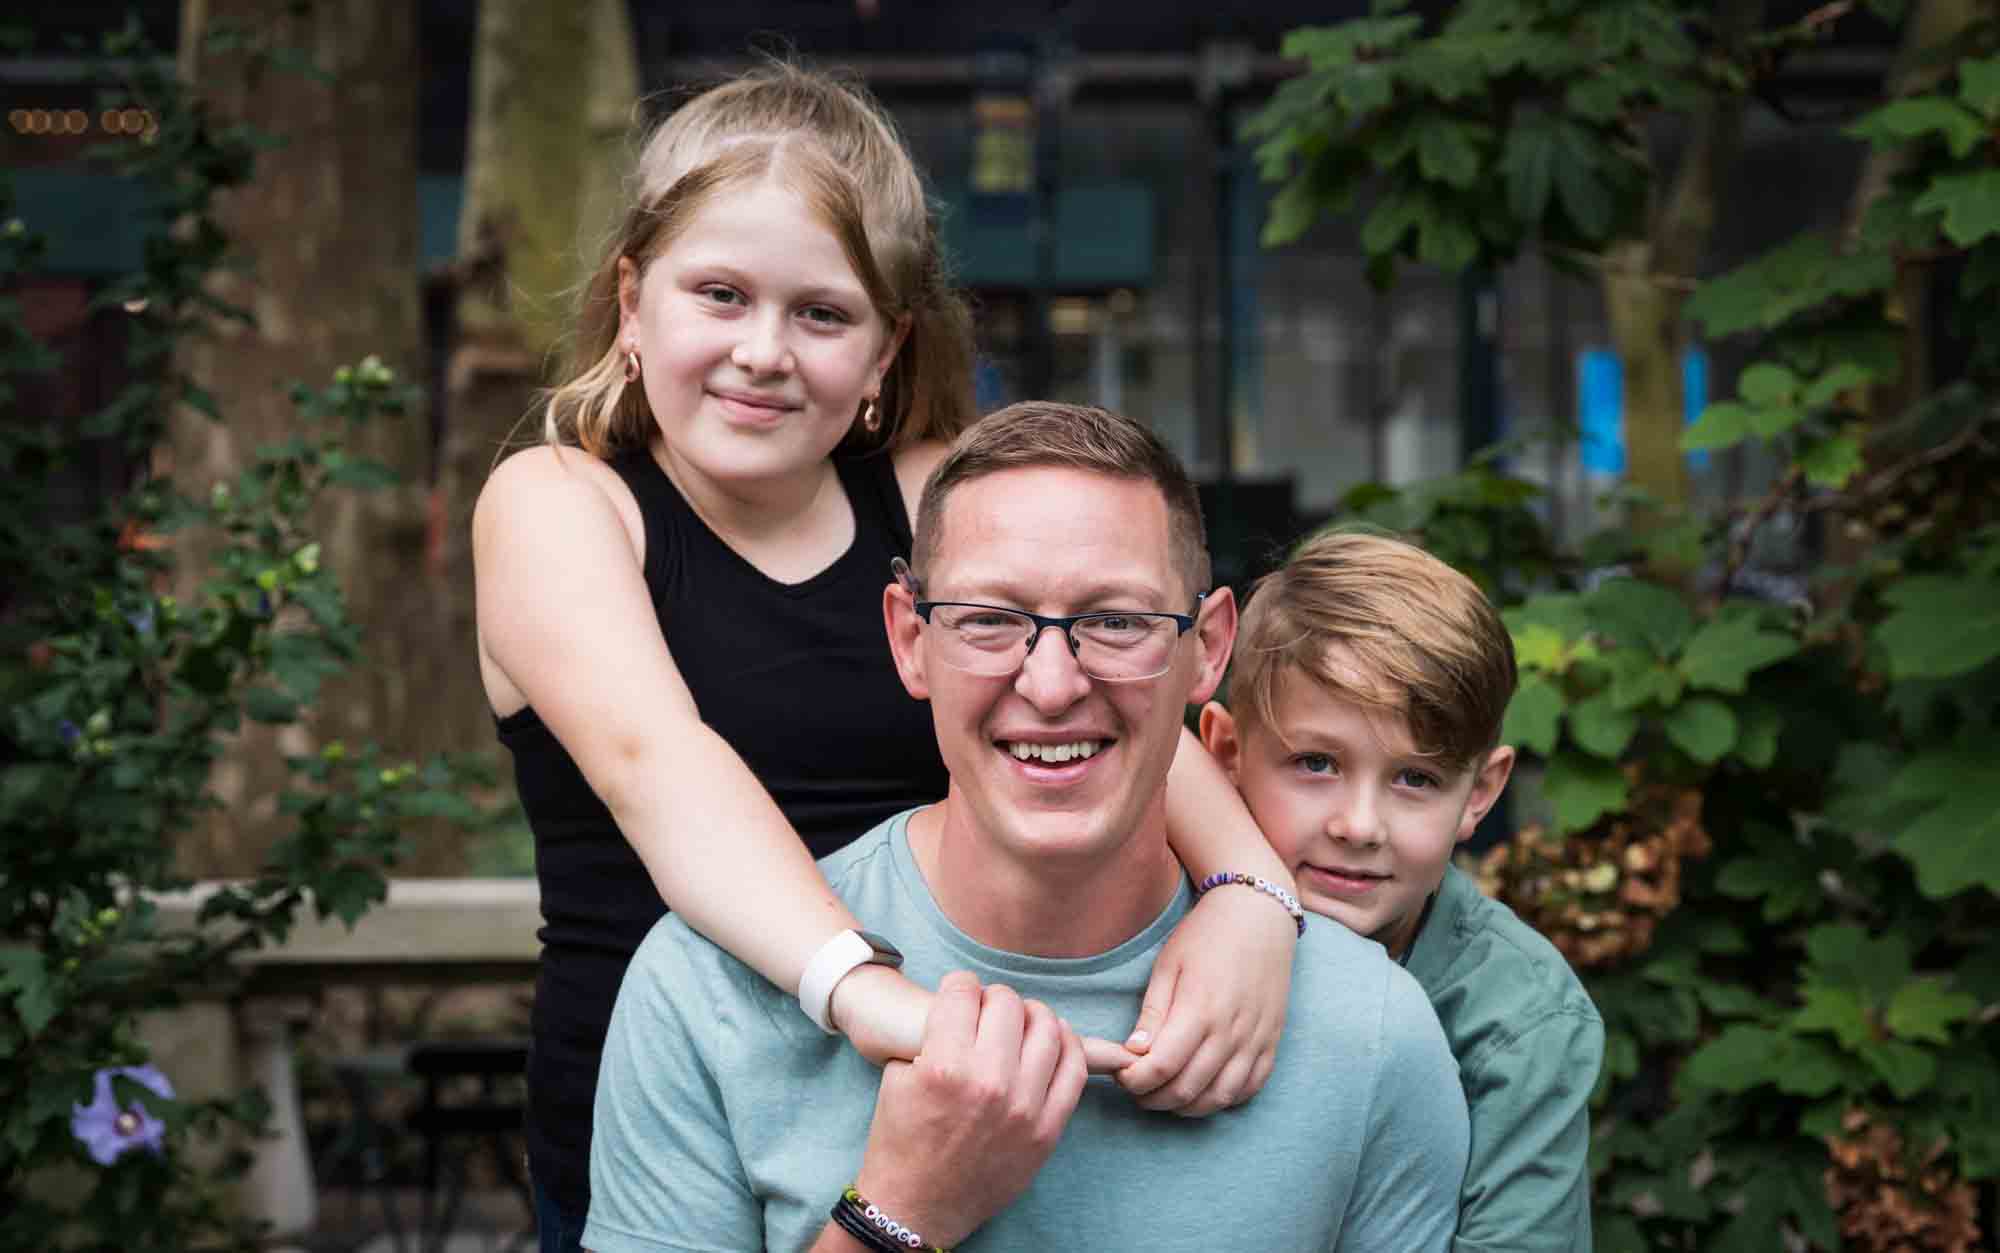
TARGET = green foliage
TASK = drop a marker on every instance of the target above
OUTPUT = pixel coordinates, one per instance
(118, 696)
(1832, 956)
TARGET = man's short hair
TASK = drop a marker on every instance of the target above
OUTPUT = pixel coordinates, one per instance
(1083, 437)
(1415, 638)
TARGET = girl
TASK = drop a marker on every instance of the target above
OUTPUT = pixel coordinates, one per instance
(679, 610)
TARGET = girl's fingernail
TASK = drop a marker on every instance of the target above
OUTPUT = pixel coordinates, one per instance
(1139, 1039)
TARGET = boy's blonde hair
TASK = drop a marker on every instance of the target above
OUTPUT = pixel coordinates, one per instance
(1414, 638)
(826, 139)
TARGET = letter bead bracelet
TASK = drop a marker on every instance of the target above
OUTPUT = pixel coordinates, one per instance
(866, 1222)
(1261, 884)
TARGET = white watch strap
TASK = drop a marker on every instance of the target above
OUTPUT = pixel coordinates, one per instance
(828, 967)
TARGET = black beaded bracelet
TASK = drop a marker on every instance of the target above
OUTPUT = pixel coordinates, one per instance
(868, 1224)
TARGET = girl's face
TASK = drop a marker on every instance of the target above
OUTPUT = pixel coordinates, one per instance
(758, 343)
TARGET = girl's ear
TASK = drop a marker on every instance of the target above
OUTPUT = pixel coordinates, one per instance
(628, 297)
(897, 335)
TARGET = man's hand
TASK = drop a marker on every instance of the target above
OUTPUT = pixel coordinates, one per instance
(1215, 1007)
(961, 1131)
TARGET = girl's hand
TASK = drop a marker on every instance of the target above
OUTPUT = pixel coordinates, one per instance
(881, 1012)
(1209, 1028)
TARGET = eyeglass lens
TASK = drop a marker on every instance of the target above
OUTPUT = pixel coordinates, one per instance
(1108, 646)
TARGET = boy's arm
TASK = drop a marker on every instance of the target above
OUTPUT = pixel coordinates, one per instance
(664, 1171)
(1527, 1184)
(1406, 1186)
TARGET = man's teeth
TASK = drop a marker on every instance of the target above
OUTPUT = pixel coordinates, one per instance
(1054, 753)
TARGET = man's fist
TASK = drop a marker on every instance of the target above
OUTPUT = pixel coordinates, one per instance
(960, 1132)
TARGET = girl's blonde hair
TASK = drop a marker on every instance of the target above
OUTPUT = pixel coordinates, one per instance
(827, 140)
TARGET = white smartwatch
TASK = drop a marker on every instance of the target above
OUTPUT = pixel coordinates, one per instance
(831, 964)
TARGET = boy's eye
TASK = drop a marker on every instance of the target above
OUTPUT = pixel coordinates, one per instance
(1417, 779)
(1314, 763)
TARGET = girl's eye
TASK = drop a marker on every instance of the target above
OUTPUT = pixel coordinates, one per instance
(1314, 763)
(823, 315)
(721, 295)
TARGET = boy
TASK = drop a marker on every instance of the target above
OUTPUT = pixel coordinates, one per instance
(1363, 729)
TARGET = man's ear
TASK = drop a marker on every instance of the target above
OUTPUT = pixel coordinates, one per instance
(1218, 736)
(1487, 785)
(1215, 635)
(899, 615)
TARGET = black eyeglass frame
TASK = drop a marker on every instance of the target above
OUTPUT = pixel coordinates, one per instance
(899, 569)
(1183, 622)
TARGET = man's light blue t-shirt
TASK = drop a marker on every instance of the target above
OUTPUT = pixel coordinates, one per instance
(726, 1120)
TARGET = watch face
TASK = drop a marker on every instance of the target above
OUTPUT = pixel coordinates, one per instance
(886, 954)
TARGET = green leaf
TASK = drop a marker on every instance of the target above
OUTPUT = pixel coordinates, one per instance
(1635, 611)
(1449, 151)
(1637, 679)
(1941, 626)
(1955, 842)
(1897, 123)
(1970, 204)
(1779, 870)
(1845, 376)
(1837, 1010)
(1703, 728)
(1924, 1009)
(1764, 385)
(1735, 1061)
(1723, 424)
(1582, 789)
(1758, 726)
(1843, 955)
(1528, 165)
(24, 978)
(1832, 462)
(1725, 651)
(1539, 647)
(263, 704)
(1906, 1068)
(1979, 88)
(1785, 282)
(1602, 728)
(1534, 716)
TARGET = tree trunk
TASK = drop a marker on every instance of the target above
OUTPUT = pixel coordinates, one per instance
(1646, 285)
(329, 226)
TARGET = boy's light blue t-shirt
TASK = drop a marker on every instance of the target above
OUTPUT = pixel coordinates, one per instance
(726, 1120)
(1528, 1043)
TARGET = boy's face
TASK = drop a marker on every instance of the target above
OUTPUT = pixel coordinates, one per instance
(1365, 823)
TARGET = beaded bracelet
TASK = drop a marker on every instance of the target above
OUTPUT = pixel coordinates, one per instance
(866, 1222)
(1261, 884)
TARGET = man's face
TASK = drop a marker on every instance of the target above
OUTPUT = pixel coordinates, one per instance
(1366, 824)
(1048, 762)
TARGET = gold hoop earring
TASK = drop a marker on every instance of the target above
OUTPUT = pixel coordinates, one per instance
(631, 365)
(871, 418)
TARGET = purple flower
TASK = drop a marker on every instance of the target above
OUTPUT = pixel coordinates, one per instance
(108, 1131)
(69, 731)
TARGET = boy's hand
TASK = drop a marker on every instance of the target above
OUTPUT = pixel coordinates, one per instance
(960, 1132)
(1215, 1007)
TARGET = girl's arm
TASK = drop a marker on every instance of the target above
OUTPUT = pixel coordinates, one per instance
(1216, 1004)
(566, 622)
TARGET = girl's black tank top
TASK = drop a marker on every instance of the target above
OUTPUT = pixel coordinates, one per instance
(798, 679)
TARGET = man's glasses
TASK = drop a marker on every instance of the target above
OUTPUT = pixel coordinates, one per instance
(993, 641)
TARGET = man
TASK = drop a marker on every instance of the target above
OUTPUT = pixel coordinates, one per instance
(725, 1120)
